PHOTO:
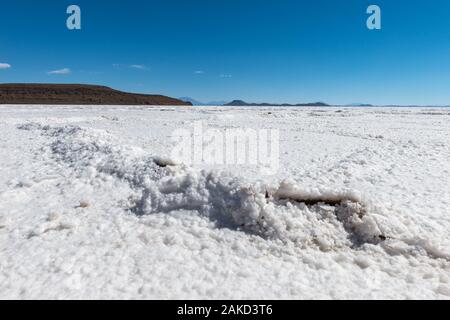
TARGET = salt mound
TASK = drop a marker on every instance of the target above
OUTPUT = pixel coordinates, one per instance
(283, 212)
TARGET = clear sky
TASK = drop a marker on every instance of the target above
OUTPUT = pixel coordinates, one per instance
(255, 50)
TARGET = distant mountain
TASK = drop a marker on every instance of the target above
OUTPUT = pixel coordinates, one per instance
(78, 94)
(240, 103)
(198, 103)
(358, 104)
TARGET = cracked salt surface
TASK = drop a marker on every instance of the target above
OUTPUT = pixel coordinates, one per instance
(335, 224)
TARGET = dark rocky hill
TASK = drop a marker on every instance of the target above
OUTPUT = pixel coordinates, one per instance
(77, 94)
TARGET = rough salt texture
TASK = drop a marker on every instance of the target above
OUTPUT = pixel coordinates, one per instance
(92, 206)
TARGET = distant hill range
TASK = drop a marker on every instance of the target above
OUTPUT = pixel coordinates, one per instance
(199, 103)
(240, 103)
(359, 104)
(78, 94)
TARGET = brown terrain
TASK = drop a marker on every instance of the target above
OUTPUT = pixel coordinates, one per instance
(77, 94)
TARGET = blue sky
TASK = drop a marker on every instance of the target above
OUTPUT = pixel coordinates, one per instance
(255, 50)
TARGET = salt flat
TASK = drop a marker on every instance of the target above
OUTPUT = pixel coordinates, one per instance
(92, 205)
